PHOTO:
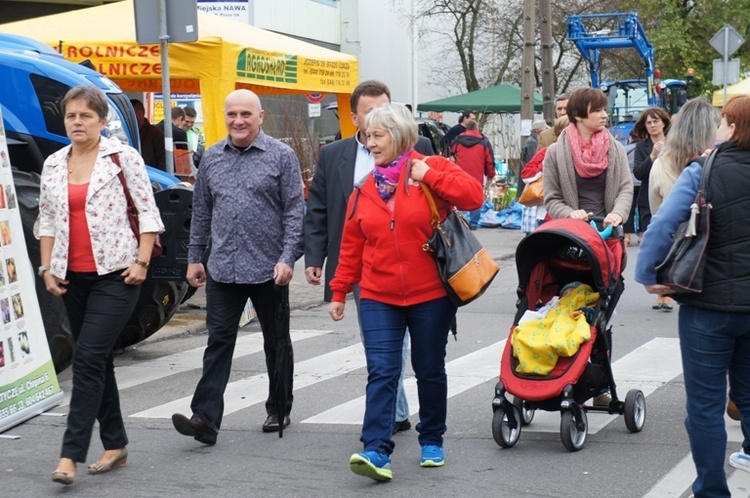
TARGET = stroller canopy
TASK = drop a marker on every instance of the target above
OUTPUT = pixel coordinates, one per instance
(574, 244)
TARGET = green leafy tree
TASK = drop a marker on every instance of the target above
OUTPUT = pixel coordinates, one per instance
(680, 31)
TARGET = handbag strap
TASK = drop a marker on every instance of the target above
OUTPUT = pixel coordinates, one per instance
(433, 206)
(121, 176)
(704, 176)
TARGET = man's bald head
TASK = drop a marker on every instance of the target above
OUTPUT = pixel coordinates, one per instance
(243, 116)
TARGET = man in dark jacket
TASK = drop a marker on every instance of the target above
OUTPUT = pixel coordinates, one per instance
(152, 138)
(473, 152)
(179, 136)
(447, 140)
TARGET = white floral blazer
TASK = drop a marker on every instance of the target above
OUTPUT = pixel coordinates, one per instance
(112, 240)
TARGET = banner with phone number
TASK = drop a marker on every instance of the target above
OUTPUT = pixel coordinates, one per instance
(28, 383)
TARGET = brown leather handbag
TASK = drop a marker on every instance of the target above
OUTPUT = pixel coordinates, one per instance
(157, 249)
(465, 267)
(533, 194)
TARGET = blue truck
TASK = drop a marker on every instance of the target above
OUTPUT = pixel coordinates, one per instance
(33, 80)
(626, 97)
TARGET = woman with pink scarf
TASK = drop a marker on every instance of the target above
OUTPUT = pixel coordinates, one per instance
(586, 171)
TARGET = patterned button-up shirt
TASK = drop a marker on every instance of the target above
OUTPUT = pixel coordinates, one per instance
(248, 203)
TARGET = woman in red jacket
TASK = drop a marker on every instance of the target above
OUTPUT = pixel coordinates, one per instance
(388, 220)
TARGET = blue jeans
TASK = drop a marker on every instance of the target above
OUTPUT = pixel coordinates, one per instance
(402, 404)
(713, 343)
(383, 328)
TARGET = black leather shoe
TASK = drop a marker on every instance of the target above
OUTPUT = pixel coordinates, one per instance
(404, 425)
(272, 423)
(194, 427)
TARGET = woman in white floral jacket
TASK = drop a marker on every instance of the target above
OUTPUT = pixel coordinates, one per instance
(91, 257)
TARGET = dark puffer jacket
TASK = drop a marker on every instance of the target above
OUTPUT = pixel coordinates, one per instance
(726, 281)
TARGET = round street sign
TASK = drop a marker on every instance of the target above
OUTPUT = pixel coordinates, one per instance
(315, 97)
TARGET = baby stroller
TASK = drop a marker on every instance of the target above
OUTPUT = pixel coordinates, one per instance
(557, 253)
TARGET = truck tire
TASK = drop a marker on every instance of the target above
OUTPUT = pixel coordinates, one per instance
(157, 304)
(54, 315)
(158, 301)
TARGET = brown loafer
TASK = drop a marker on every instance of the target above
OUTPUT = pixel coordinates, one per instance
(119, 461)
(272, 423)
(195, 427)
(732, 411)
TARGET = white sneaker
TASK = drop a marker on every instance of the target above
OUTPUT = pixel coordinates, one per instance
(740, 460)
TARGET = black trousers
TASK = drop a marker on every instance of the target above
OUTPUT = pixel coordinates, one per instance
(224, 305)
(98, 308)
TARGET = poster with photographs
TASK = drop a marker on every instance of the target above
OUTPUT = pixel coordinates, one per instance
(28, 384)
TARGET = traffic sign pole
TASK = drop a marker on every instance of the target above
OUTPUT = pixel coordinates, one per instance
(726, 62)
(726, 42)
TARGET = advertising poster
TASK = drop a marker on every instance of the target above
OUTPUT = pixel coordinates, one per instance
(28, 384)
(193, 100)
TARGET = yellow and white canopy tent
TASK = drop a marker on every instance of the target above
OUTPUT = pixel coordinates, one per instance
(741, 88)
(228, 55)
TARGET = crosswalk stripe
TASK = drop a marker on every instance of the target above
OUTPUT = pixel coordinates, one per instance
(680, 479)
(133, 375)
(463, 374)
(647, 368)
(148, 371)
(676, 482)
(246, 392)
(739, 483)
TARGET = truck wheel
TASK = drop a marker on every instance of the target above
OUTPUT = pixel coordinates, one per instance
(54, 315)
(158, 301)
(157, 304)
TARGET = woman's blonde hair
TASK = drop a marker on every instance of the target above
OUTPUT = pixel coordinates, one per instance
(397, 120)
(560, 124)
(692, 132)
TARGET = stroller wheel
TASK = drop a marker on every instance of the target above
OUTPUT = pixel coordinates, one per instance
(573, 432)
(527, 414)
(635, 410)
(506, 425)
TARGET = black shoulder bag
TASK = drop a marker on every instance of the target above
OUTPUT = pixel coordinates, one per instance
(682, 269)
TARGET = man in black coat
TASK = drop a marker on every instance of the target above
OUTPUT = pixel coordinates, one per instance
(179, 136)
(453, 133)
(341, 165)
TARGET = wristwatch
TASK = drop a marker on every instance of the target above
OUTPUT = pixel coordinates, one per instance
(43, 269)
(144, 264)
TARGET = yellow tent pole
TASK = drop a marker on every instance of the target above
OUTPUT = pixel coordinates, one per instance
(213, 93)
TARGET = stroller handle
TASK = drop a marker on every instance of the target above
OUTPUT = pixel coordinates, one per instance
(617, 231)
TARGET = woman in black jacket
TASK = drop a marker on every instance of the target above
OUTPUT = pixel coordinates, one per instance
(651, 130)
(714, 326)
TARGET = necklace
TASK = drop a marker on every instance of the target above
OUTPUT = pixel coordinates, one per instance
(74, 163)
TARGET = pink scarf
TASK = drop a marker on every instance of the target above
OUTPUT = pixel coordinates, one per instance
(589, 158)
(386, 177)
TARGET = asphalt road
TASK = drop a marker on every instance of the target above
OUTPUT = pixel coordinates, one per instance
(158, 377)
